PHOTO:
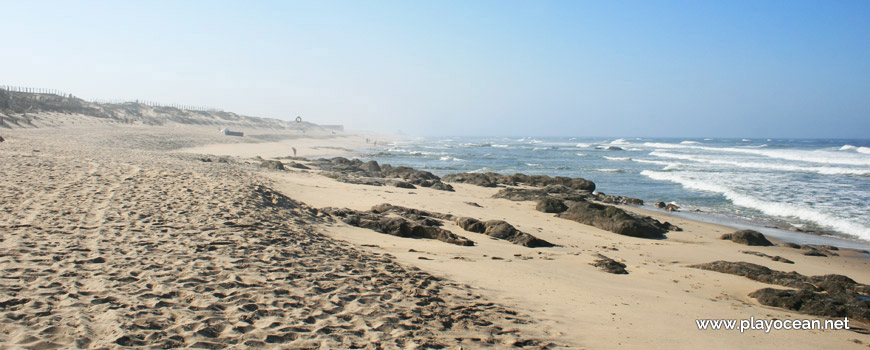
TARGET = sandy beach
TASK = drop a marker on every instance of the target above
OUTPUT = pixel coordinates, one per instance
(176, 236)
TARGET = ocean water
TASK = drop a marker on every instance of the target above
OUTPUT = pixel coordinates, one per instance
(819, 184)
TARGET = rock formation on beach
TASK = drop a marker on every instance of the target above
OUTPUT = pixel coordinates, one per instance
(502, 230)
(493, 179)
(747, 237)
(609, 265)
(828, 295)
(570, 198)
(614, 220)
(371, 173)
(408, 222)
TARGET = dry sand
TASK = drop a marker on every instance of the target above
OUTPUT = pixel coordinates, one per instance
(655, 306)
(110, 240)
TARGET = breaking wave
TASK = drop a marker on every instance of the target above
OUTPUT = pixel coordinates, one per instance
(768, 207)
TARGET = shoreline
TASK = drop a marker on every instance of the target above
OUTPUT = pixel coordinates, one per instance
(737, 223)
(820, 198)
(779, 234)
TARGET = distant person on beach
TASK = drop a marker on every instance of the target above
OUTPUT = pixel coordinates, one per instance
(294, 151)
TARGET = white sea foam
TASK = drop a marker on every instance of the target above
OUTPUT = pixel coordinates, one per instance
(817, 156)
(500, 146)
(414, 153)
(862, 149)
(769, 166)
(452, 158)
(765, 206)
(672, 166)
(617, 158)
(583, 145)
(648, 161)
(581, 154)
(609, 170)
(690, 143)
(746, 140)
(619, 142)
(668, 165)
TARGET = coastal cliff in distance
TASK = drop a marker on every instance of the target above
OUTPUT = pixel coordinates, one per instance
(29, 110)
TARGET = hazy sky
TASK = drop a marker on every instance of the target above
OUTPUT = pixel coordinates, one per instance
(571, 68)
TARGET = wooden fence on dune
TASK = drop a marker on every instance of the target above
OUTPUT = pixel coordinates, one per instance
(57, 92)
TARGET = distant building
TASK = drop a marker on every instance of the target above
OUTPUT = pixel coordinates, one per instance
(333, 127)
(227, 132)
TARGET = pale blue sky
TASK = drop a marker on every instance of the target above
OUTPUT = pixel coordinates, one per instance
(572, 68)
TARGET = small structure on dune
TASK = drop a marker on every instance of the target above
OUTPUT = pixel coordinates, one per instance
(227, 132)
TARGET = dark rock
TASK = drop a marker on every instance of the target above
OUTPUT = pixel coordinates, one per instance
(774, 258)
(471, 224)
(534, 194)
(551, 205)
(494, 179)
(670, 227)
(614, 220)
(474, 204)
(479, 179)
(791, 245)
(340, 160)
(2, 139)
(781, 259)
(370, 167)
(521, 194)
(502, 230)
(355, 171)
(834, 305)
(671, 207)
(825, 283)
(403, 184)
(747, 237)
(660, 205)
(609, 265)
(814, 253)
(410, 213)
(614, 148)
(272, 164)
(617, 199)
(441, 186)
(395, 226)
(818, 250)
(298, 166)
